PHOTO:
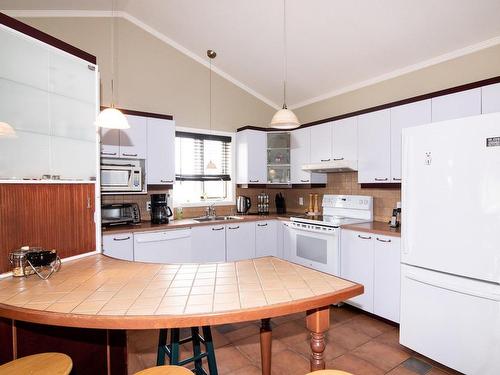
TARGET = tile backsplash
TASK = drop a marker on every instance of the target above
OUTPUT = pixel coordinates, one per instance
(384, 198)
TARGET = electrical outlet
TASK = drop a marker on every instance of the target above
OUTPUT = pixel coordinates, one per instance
(148, 206)
(301, 201)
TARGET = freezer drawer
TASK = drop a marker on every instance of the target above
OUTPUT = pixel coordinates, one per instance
(453, 320)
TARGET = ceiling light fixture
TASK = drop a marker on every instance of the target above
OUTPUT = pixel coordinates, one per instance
(284, 119)
(7, 131)
(211, 55)
(112, 118)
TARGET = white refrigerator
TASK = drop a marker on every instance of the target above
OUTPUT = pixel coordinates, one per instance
(450, 252)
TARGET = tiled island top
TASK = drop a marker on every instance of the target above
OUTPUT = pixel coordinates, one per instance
(102, 292)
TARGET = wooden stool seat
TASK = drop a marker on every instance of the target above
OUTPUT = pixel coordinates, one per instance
(165, 370)
(39, 364)
(329, 372)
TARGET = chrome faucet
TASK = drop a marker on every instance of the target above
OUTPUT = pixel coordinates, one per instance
(210, 210)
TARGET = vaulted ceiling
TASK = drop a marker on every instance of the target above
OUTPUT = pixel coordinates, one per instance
(333, 45)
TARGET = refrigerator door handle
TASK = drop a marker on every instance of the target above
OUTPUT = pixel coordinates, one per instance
(404, 188)
(452, 288)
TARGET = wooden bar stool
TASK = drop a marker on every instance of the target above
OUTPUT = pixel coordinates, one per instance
(165, 370)
(39, 364)
(173, 348)
(329, 372)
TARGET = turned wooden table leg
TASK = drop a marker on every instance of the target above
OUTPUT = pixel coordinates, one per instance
(266, 346)
(318, 322)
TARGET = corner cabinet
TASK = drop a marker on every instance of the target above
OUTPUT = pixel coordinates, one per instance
(119, 246)
(161, 151)
(251, 155)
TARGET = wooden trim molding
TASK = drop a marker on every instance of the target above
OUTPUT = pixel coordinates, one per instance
(46, 38)
(133, 112)
(451, 90)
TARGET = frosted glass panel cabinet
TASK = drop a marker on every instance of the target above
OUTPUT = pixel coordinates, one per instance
(50, 98)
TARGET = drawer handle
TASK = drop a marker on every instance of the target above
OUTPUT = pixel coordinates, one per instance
(380, 179)
(121, 239)
(221, 228)
(378, 239)
(338, 159)
(304, 180)
(262, 225)
(254, 180)
(396, 179)
(124, 154)
(237, 227)
(364, 237)
(168, 181)
(108, 153)
(326, 159)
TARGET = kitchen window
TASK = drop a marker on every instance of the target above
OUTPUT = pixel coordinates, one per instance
(203, 167)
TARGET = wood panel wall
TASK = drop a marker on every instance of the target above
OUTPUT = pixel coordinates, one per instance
(54, 216)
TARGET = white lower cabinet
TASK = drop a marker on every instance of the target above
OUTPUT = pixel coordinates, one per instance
(120, 246)
(287, 241)
(374, 261)
(170, 246)
(240, 241)
(266, 238)
(208, 243)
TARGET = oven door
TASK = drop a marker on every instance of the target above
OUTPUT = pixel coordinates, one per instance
(317, 249)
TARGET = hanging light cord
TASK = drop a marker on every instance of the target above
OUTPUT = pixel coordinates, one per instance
(112, 53)
(284, 55)
(210, 96)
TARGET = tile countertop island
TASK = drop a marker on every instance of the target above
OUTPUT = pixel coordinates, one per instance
(103, 293)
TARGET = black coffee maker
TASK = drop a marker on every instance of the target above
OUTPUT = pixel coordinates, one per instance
(160, 212)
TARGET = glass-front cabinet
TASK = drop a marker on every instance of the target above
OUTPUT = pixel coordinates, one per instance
(278, 158)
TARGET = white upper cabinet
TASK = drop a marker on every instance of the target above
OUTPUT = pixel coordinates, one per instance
(345, 139)
(457, 105)
(133, 141)
(490, 96)
(300, 154)
(321, 143)
(110, 143)
(405, 116)
(266, 238)
(160, 151)
(251, 151)
(374, 147)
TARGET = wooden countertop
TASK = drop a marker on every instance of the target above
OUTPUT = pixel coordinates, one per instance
(102, 292)
(146, 226)
(377, 227)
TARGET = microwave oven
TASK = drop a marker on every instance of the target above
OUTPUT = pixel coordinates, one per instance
(121, 177)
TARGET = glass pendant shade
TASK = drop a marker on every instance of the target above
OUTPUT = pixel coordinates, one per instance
(7, 131)
(112, 118)
(284, 119)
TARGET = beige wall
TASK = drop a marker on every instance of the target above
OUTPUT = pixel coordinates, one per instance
(152, 76)
(469, 68)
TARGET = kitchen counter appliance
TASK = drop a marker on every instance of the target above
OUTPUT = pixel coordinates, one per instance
(160, 211)
(121, 176)
(316, 239)
(120, 213)
(450, 255)
(243, 204)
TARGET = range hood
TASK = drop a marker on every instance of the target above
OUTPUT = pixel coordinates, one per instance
(332, 166)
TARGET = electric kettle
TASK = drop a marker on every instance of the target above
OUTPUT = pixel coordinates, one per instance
(243, 204)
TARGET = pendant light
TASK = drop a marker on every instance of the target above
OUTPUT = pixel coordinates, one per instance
(7, 131)
(284, 119)
(211, 55)
(112, 118)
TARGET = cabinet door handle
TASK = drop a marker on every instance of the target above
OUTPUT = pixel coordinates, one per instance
(378, 239)
(121, 239)
(108, 153)
(381, 179)
(396, 179)
(221, 228)
(167, 181)
(338, 159)
(237, 227)
(124, 154)
(326, 159)
(304, 180)
(253, 180)
(364, 237)
(88, 202)
(262, 225)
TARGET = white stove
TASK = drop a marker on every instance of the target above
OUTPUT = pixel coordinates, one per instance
(316, 240)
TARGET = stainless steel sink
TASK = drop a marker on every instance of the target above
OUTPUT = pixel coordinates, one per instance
(215, 218)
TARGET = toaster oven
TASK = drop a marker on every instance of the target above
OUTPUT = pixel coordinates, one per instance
(120, 213)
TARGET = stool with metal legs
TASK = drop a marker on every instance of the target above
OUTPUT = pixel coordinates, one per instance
(173, 348)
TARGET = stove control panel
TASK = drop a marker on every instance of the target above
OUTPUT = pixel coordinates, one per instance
(313, 227)
(359, 202)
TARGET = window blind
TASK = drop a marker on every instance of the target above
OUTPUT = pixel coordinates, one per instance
(194, 153)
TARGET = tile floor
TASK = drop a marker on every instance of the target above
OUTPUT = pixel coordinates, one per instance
(357, 343)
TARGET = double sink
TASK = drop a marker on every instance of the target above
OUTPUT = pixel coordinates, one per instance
(204, 219)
